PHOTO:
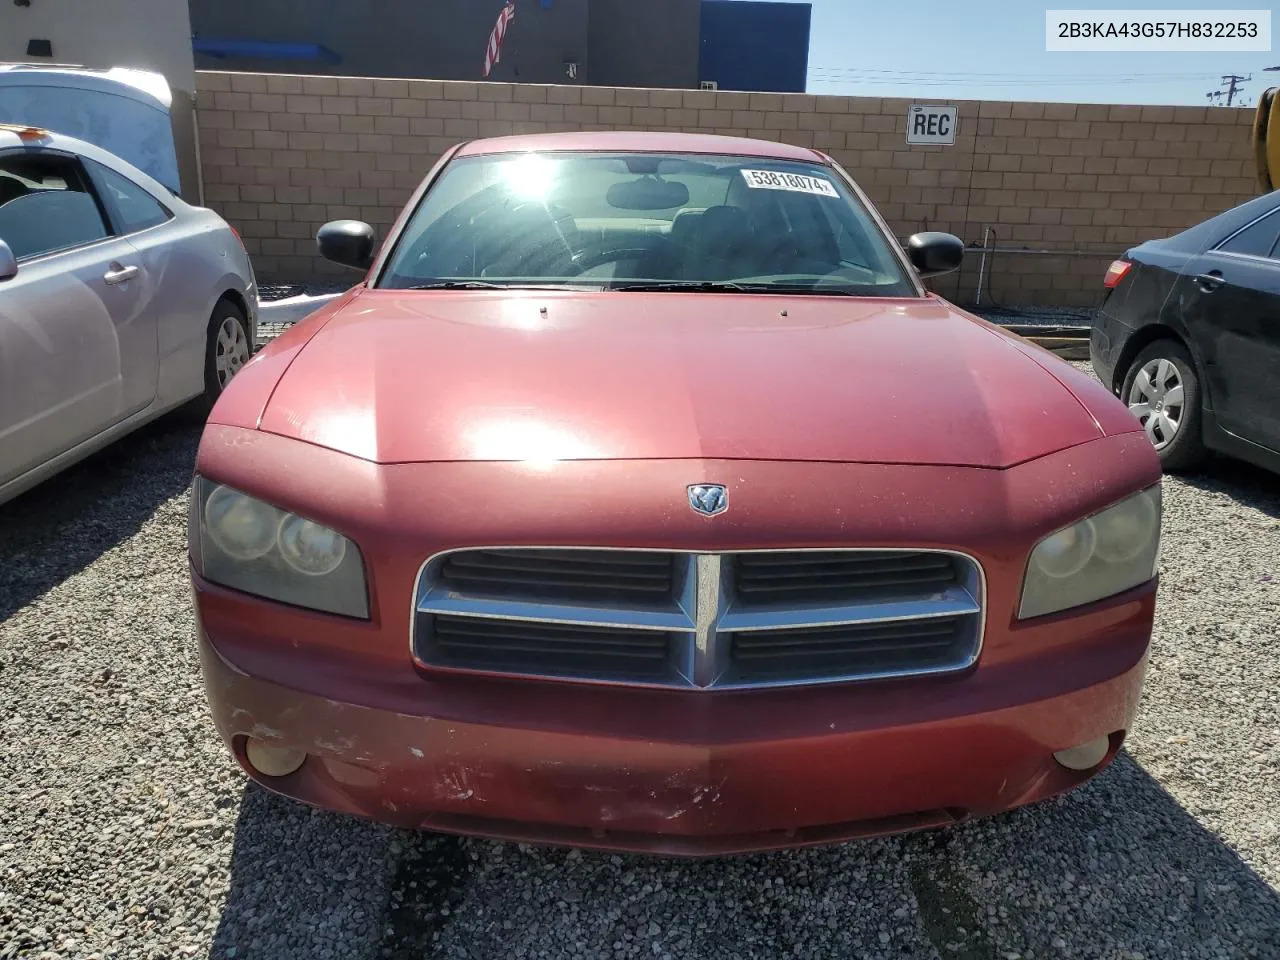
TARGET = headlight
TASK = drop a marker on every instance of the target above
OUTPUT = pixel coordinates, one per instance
(242, 528)
(249, 545)
(310, 548)
(1098, 557)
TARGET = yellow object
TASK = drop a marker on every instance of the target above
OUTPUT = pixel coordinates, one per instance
(24, 132)
(1273, 143)
(1261, 122)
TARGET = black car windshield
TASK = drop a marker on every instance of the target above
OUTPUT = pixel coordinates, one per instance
(644, 221)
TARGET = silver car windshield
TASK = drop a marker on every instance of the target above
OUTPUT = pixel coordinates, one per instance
(644, 221)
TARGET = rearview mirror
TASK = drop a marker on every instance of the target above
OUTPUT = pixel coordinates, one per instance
(648, 193)
(934, 253)
(348, 242)
(8, 263)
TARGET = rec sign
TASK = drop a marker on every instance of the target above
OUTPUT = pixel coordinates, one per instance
(931, 124)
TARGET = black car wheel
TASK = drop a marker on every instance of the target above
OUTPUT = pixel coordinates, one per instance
(227, 349)
(1163, 392)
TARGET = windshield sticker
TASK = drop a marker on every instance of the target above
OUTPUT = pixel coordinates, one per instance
(797, 183)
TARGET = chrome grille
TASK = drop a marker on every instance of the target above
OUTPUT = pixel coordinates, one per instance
(745, 619)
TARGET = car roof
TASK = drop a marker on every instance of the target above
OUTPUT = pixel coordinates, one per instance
(1207, 233)
(30, 135)
(640, 142)
(9, 136)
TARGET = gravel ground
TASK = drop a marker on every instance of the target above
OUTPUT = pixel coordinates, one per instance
(1079, 318)
(125, 831)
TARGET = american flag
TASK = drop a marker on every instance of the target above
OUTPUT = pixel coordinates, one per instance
(493, 51)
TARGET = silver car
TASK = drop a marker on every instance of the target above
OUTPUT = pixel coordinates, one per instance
(118, 302)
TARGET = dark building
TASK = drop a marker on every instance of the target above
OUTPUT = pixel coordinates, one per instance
(623, 43)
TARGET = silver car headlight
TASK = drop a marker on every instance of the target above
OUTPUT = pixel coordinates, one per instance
(247, 544)
(1098, 557)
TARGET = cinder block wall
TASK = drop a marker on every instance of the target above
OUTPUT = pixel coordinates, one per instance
(282, 154)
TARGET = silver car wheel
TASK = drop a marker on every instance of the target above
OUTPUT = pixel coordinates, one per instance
(1156, 400)
(231, 349)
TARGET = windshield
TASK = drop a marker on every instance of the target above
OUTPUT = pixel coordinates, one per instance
(644, 221)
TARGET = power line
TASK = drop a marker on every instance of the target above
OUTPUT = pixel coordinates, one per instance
(930, 82)
(1232, 82)
(823, 77)
(958, 74)
(1013, 78)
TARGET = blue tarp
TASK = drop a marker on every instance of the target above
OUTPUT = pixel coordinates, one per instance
(755, 46)
(264, 50)
(107, 112)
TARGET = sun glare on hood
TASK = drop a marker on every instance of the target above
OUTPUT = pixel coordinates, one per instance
(528, 441)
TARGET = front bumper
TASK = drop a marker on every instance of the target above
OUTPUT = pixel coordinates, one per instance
(681, 772)
(673, 771)
(1108, 337)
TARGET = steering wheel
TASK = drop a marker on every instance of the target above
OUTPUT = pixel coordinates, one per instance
(585, 260)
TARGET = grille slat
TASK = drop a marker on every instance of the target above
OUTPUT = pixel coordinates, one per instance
(589, 576)
(790, 577)
(782, 640)
(859, 649)
(842, 575)
(496, 566)
(920, 583)
(756, 618)
(785, 577)
(841, 559)
(548, 649)
(470, 630)
(842, 651)
(545, 648)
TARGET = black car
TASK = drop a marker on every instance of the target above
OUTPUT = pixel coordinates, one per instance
(1188, 335)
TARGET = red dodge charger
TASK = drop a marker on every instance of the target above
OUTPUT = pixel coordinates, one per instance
(641, 497)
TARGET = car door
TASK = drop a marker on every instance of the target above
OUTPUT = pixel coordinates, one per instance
(175, 284)
(1230, 301)
(77, 346)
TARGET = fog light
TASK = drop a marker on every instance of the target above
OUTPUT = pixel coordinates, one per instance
(272, 761)
(1084, 756)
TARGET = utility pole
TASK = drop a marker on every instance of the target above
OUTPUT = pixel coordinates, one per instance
(1232, 83)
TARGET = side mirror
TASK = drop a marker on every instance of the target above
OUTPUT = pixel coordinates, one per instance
(8, 263)
(935, 253)
(348, 242)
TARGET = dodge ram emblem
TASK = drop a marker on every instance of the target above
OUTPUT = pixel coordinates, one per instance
(708, 499)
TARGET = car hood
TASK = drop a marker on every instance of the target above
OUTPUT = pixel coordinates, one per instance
(412, 376)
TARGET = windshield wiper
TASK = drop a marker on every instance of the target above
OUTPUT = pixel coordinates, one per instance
(688, 286)
(727, 286)
(647, 286)
(490, 285)
(458, 285)
(814, 290)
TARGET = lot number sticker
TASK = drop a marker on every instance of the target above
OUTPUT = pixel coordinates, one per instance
(795, 182)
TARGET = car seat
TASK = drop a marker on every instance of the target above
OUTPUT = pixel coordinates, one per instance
(10, 189)
(722, 245)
